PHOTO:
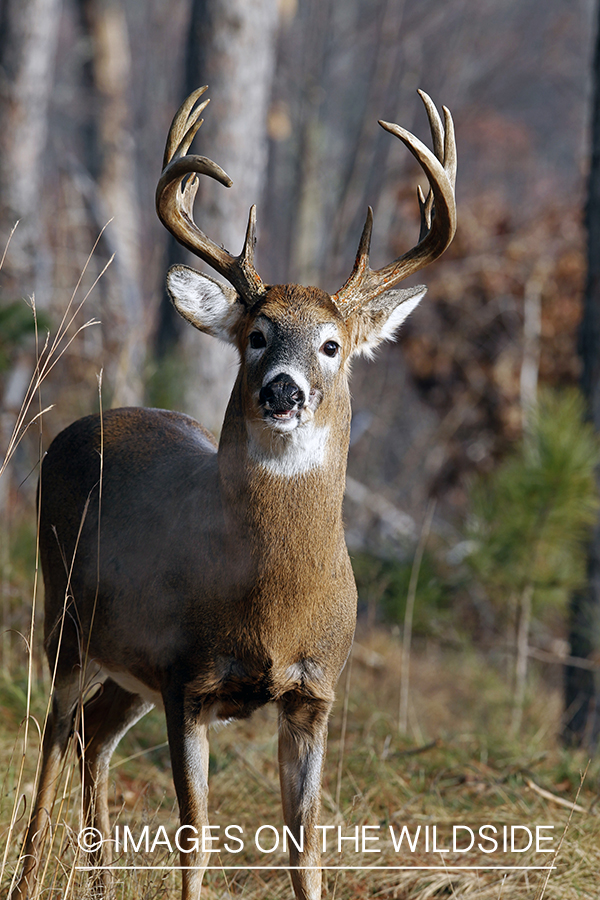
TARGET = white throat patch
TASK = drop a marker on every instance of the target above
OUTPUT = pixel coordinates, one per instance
(289, 454)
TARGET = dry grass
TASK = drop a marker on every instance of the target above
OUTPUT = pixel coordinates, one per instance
(457, 767)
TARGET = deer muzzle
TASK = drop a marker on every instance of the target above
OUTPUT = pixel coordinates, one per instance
(282, 398)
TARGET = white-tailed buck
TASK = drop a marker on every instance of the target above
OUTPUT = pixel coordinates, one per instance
(212, 580)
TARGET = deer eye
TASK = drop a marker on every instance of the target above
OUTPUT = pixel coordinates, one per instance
(330, 348)
(257, 340)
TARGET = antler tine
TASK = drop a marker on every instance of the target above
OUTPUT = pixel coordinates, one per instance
(175, 194)
(449, 146)
(425, 208)
(435, 123)
(438, 214)
(437, 133)
(183, 121)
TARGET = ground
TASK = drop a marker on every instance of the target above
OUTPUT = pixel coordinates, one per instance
(457, 770)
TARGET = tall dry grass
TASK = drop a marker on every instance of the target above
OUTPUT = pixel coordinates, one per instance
(21, 690)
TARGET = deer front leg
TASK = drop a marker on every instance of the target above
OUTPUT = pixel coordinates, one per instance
(188, 746)
(302, 742)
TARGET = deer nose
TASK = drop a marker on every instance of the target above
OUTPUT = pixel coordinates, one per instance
(281, 393)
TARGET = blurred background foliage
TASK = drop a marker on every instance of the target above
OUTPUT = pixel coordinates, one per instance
(531, 516)
(87, 92)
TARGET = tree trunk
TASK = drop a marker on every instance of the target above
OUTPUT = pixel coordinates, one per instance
(116, 197)
(524, 624)
(28, 40)
(582, 719)
(230, 48)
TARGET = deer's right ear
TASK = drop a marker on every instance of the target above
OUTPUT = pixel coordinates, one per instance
(207, 304)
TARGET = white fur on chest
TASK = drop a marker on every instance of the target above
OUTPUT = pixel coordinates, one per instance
(291, 454)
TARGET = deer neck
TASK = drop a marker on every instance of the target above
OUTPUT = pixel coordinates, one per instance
(288, 486)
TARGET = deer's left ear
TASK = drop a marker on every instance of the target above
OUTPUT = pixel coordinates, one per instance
(379, 319)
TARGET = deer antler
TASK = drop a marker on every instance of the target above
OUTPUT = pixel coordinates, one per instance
(175, 194)
(438, 215)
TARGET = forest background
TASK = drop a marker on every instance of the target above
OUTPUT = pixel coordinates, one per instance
(87, 92)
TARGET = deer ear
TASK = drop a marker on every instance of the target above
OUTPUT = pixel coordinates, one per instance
(378, 320)
(207, 304)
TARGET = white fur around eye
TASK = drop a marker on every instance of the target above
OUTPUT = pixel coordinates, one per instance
(329, 332)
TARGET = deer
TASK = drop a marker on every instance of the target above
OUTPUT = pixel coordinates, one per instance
(210, 579)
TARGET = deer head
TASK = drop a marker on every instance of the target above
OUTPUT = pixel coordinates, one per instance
(295, 343)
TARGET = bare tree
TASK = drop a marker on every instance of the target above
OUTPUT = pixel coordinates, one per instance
(115, 196)
(230, 48)
(28, 40)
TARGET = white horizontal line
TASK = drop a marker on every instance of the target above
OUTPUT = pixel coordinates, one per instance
(336, 868)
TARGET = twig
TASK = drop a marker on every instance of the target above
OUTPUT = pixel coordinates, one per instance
(566, 828)
(577, 662)
(547, 795)
(126, 759)
(14, 228)
(422, 748)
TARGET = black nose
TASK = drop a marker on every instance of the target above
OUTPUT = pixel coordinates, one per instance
(281, 393)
